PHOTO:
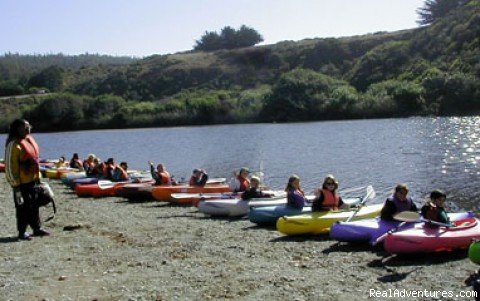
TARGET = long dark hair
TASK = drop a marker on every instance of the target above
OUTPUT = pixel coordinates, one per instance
(14, 130)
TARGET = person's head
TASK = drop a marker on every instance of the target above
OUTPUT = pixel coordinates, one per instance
(244, 171)
(401, 191)
(293, 182)
(255, 182)
(75, 156)
(330, 183)
(61, 159)
(110, 161)
(18, 129)
(160, 167)
(124, 165)
(197, 172)
(91, 157)
(97, 161)
(438, 197)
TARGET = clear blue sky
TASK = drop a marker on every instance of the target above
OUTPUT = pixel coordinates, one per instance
(145, 27)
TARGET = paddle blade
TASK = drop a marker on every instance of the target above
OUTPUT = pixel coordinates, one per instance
(370, 194)
(407, 216)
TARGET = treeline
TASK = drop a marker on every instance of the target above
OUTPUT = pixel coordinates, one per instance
(21, 74)
(299, 95)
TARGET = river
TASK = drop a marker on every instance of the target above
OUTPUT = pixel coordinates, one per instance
(425, 153)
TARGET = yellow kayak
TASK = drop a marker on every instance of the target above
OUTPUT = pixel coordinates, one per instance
(320, 222)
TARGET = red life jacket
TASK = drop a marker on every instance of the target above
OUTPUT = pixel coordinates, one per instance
(31, 158)
(330, 200)
(165, 178)
(244, 183)
(432, 213)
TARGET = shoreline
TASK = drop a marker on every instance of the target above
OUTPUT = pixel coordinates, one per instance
(112, 249)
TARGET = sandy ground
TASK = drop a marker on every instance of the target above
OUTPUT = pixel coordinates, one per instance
(112, 249)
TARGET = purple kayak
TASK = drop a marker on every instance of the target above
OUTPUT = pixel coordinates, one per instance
(83, 181)
(369, 230)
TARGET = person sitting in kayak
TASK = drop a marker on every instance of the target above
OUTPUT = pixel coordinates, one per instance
(61, 162)
(161, 175)
(199, 177)
(327, 198)
(434, 209)
(98, 169)
(242, 183)
(397, 203)
(254, 190)
(295, 195)
(75, 162)
(120, 172)
(89, 163)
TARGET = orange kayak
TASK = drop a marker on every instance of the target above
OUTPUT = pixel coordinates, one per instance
(164, 193)
(103, 188)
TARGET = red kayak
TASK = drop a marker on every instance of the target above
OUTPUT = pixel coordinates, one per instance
(425, 238)
(103, 188)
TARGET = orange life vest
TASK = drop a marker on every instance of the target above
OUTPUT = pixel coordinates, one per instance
(244, 183)
(330, 200)
(30, 159)
(165, 177)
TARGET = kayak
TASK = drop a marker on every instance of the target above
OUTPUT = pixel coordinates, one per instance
(424, 238)
(320, 222)
(369, 230)
(135, 191)
(2, 167)
(236, 207)
(268, 215)
(164, 192)
(56, 173)
(195, 198)
(103, 188)
(67, 178)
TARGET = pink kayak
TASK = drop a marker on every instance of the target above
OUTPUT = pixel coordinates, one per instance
(424, 238)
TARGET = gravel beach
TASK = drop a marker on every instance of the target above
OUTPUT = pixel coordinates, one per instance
(112, 249)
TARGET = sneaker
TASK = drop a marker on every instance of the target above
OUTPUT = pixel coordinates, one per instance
(24, 236)
(41, 232)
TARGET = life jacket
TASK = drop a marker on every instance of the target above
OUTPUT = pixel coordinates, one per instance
(31, 158)
(330, 200)
(244, 184)
(401, 205)
(432, 213)
(165, 178)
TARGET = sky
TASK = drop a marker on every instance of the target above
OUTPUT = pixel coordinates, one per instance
(144, 27)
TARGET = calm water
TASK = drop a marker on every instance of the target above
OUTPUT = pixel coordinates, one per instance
(425, 153)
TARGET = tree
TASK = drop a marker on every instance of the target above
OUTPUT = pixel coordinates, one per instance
(51, 78)
(229, 38)
(436, 9)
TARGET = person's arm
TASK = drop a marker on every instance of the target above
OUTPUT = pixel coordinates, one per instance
(318, 202)
(12, 164)
(203, 180)
(443, 217)
(414, 207)
(388, 211)
(423, 211)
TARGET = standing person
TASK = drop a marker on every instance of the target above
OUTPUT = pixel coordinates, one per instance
(199, 177)
(161, 175)
(295, 195)
(434, 209)
(327, 198)
(22, 172)
(397, 203)
(242, 182)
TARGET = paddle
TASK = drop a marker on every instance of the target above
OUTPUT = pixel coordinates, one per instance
(408, 217)
(370, 194)
(414, 217)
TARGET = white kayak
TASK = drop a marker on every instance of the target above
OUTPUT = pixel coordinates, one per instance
(237, 207)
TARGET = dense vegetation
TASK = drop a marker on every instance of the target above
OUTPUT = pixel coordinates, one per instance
(430, 70)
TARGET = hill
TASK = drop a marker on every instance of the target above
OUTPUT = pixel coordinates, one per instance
(432, 69)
